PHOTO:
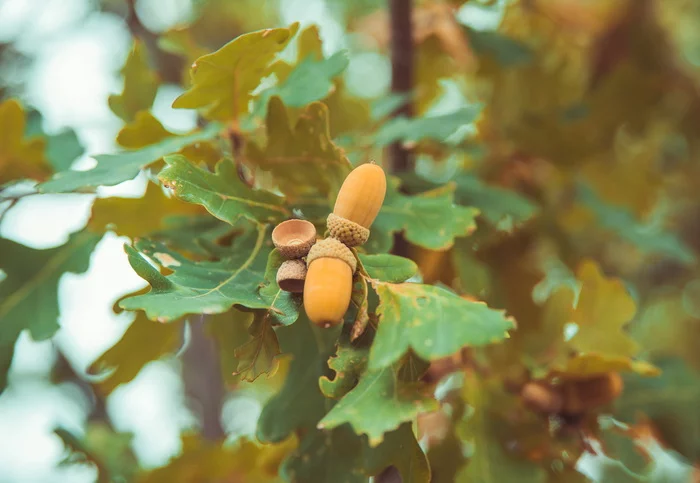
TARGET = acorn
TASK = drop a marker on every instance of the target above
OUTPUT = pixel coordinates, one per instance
(294, 238)
(358, 203)
(583, 395)
(291, 276)
(328, 285)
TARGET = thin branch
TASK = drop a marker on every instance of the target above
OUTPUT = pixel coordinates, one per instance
(204, 386)
(402, 57)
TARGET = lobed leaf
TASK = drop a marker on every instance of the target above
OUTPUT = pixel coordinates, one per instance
(302, 161)
(222, 193)
(379, 403)
(208, 287)
(388, 268)
(437, 128)
(222, 82)
(140, 85)
(430, 220)
(432, 322)
(258, 355)
(112, 169)
(19, 157)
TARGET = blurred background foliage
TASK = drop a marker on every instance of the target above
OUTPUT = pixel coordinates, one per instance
(571, 125)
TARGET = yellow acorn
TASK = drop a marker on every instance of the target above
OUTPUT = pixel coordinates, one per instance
(328, 285)
(358, 203)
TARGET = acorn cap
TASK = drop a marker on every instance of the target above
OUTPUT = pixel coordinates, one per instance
(351, 233)
(291, 276)
(294, 238)
(332, 248)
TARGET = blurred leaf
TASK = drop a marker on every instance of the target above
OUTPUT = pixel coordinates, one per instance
(208, 287)
(7, 352)
(380, 403)
(112, 169)
(258, 355)
(604, 308)
(438, 128)
(670, 401)
(349, 362)
(134, 217)
(145, 129)
(310, 80)
(144, 341)
(140, 85)
(593, 364)
(506, 51)
(430, 220)
(222, 81)
(230, 331)
(62, 148)
(500, 206)
(29, 294)
(431, 321)
(299, 404)
(108, 451)
(388, 268)
(648, 239)
(302, 161)
(19, 157)
(401, 450)
(206, 462)
(386, 105)
(490, 463)
(222, 193)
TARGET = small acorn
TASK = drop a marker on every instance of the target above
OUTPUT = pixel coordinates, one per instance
(590, 393)
(328, 285)
(291, 276)
(358, 203)
(294, 238)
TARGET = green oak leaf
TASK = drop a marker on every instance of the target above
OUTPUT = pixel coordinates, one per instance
(140, 85)
(222, 82)
(340, 456)
(310, 80)
(258, 355)
(506, 51)
(193, 234)
(430, 219)
(302, 161)
(349, 362)
(670, 401)
(299, 404)
(380, 403)
(431, 321)
(502, 207)
(388, 268)
(222, 193)
(208, 287)
(437, 128)
(647, 239)
(284, 306)
(229, 331)
(28, 294)
(62, 148)
(112, 169)
(144, 341)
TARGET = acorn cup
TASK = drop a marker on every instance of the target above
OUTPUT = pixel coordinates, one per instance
(293, 239)
(291, 276)
(330, 263)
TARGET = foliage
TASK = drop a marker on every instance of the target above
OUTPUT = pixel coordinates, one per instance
(543, 237)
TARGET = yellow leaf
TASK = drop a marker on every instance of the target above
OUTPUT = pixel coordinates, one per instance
(584, 366)
(222, 81)
(143, 131)
(19, 157)
(603, 309)
(133, 217)
(140, 85)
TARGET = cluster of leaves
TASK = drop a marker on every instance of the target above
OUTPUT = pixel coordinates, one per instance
(531, 201)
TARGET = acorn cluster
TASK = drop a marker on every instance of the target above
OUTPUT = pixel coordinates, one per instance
(323, 270)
